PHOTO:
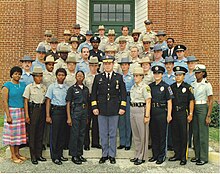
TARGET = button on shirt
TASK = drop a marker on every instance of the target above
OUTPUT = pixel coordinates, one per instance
(129, 81)
(57, 93)
(83, 66)
(35, 93)
(202, 90)
(27, 78)
(140, 93)
(169, 78)
(189, 78)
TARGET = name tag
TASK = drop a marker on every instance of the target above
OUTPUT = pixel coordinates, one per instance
(76, 92)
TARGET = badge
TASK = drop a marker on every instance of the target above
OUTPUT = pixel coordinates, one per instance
(156, 68)
(100, 54)
(161, 88)
(129, 78)
(177, 68)
(81, 37)
(100, 80)
(117, 85)
(183, 90)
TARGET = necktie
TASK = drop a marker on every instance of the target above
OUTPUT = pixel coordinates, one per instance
(169, 54)
(108, 76)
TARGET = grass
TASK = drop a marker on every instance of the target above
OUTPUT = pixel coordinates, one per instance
(1, 120)
(214, 138)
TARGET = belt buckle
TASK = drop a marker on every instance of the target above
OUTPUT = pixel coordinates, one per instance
(177, 108)
(157, 104)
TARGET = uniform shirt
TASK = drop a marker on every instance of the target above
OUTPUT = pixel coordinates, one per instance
(149, 54)
(137, 44)
(114, 45)
(15, 92)
(84, 44)
(140, 93)
(163, 45)
(98, 54)
(62, 44)
(60, 64)
(202, 90)
(189, 78)
(76, 54)
(89, 81)
(182, 94)
(54, 54)
(83, 66)
(103, 42)
(57, 93)
(121, 54)
(152, 36)
(129, 80)
(81, 38)
(27, 78)
(38, 63)
(45, 44)
(161, 92)
(129, 39)
(157, 62)
(135, 64)
(169, 79)
(70, 79)
(149, 77)
(182, 62)
(35, 93)
(48, 78)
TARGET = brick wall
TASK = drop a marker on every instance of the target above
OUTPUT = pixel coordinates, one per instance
(194, 23)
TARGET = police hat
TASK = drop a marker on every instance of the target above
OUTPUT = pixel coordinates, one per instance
(191, 59)
(157, 47)
(148, 22)
(27, 59)
(200, 68)
(50, 59)
(138, 70)
(48, 33)
(95, 39)
(37, 70)
(158, 69)
(161, 33)
(63, 49)
(180, 70)
(179, 48)
(108, 58)
(89, 32)
(169, 59)
(125, 60)
(41, 49)
(73, 39)
(53, 40)
(76, 26)
(71, 58)
(122, 39)
(93, 60)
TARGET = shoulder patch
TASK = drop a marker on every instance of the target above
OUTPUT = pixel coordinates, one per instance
(148, 89)
(191, 90)
(170, 90)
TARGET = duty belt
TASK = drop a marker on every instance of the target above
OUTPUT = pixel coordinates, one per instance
(80, 105)
(179, 108)
(137, 104)
(58, 107)
(158, 105)
(36, 105)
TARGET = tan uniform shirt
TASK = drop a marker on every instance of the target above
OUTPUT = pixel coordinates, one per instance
(148, 78)
(152, 35)
(137, 44)
(115, 45)
(64, 43)
(150, 54)
(135, 63)
(89, 81)
(35, 93)
(76, 54)
(60, 64)
(48, 78)
(45, 44)
(103, 42)
(121, 54)
(70, 79)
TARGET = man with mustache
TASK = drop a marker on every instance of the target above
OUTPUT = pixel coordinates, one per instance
(26, 76)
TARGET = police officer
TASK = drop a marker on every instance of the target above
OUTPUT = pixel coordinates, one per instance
(136, 34)
(108, 92)
(61, 62)
(53, 51)
(66, 39)
(202, 114)
(46, 43)
(145, 63)
(76, 33)
(140, 116)
(95, 52)
(158, 59)
(77, 111)
(71, 68)
(161, 106)
(134, 58)
(74, 45)
(111, 41)
(34, 106)
(123, 52)
(181, 59)
(146, 41)
(124, 121)
(56, 116)
(182, 113)
(162, 40)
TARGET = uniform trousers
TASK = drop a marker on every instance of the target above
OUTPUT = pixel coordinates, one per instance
(77, 131)
(201, 132)
(140, 132)
(57, 132)
(36, 130)
(179, 128)
(108, 134)
(124, 125)
(158, 129)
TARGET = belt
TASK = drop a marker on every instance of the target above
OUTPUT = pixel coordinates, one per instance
(36, 105)
(197, 102)
(58, 107)
(179, 108)
(137, 104)
(128, 93)
(81, 105)
(158, 105)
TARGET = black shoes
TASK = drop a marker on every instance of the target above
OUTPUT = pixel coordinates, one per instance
(76, 160)
(97, 146)
(173, 159)
(170, 148)
(34, 161)
(200, 162)
(133, 160)
(86, 148)
(41, 159)
(159, 161)
(183, 162)
(112, 160)
(63, 158)
(121, 147)
(57, 162)
(194, 160)
(102, 160)
(138, 162)
(81, 158)
(127, 148)
(152, 159)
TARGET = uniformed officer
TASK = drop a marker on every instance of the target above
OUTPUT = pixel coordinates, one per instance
(136, 34)
(124, 123)
(202, 115)
(74, 45)
(93, 66)
(34, 106)
(111, 41)
(125, 32)
(61, 62)
(181, 59)
(158, 59)
(161, 106)
(103, 38)
(83, 64)
(77, 111)
(87, 43)
(66, 39)
(134, 58)
(71, 70)
(53, 51)
(161, 35)
(145, 63)
(182, 113)
(140, 116)
(108, 91)
(123, 52)
(41, 53)
(26, 76)
(146, 48)
(76, 33)
(95, 52)
(56, 116)
(46, 43)
(169, 76)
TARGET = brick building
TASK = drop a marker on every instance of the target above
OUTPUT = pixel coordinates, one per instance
(194, 23)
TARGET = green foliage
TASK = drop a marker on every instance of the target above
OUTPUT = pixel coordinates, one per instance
(215, 115)
(214, 134)
(1, 120)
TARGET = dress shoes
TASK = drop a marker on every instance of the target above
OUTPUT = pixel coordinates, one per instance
(127, 148)
(133, 160)
(43, 147)
(121, 147)
(41, 159)
(63, 158)
(183, 162)
(102, 160)
(76, 160)
(81, 158)
(173, 159)
(152, 159)
(97, 146)
(138, 162)
(194, 160)
(112, 160)
(159, 161)
(57, 162)
(200, 162)
(86, 148)
(34, 161)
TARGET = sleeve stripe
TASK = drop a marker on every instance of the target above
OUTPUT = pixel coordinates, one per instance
(123, 103)
(94, 103)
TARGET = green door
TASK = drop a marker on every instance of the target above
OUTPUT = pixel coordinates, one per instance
(112, 14)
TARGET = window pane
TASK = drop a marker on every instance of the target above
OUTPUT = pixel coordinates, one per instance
(97, 8)
(96, 17)
(104, 7)
(127, 8)
(119, 8)
(127, 16)
(119, 16)
(104, 16)
(111, 17)
(111, 7)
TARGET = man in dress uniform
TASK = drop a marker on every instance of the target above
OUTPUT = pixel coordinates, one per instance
(182, 113)
(95, 52)
(108, 92)
(76, 33)
(103, 38)
(162, 40)
(161, 106)
(181, 59)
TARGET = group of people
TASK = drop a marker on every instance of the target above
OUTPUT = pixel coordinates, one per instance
(141, 84)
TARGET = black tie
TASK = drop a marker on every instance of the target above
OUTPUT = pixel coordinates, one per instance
(108, 76)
